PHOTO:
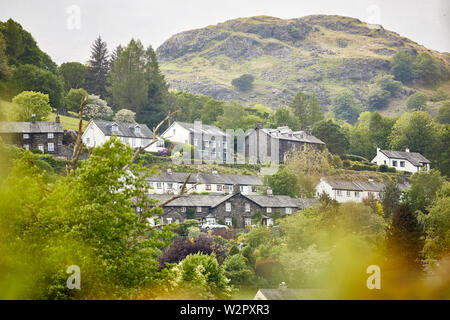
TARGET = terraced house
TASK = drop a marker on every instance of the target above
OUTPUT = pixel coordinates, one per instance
(235, 209)
(356, 191)
(402, 160)
(170, 182)
(46, 136)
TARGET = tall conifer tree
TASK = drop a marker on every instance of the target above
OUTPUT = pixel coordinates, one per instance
(98, 68)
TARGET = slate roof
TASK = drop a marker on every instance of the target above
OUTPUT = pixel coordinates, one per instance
(355, 185)
(414, 157)
(125, 129)
(284, 133)
(29, 127)
(205, 129)
(198, 200)
(207, 178)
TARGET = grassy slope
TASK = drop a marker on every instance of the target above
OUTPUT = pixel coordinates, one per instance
(222, 70)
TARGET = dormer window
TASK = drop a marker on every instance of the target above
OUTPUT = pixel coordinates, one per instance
(137, 130)
(115, 128)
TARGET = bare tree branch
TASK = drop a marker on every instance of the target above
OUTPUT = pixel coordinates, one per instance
(183, 192)
(78, 143)
(154, 139)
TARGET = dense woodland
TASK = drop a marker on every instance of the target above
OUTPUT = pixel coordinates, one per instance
(50, 219)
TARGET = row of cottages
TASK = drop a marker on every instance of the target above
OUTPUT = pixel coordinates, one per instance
(47, 136)
(136, 135)
(263, 144)
(402, 160)
(356, 191)
(209, 141)
(234, 210)
(170, 182)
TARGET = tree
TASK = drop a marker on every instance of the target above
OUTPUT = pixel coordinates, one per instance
(235, 117)
(97, 68)
(379, 130)
(211, 111)
(416, 131)
(443, 115)
(125, 115)
(345, 107)
(31, 78)
(5, 71)
(307, 109)
(417, 101)
(423, 190)
(426, 70)
(237, 270)
(390, 199)
(387, 82)
(30, 103)
(74, 74)
(73, 99)
(333, 135)
(284, 182)
(359, 137)
(97, 108)
(284, 116)
(243, 83)
(402, 67)
(377, 98)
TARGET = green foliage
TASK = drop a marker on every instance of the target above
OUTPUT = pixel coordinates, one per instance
(333, 135)
(345, 107)
(28, 77)
(426, 70)
(211, 110)
(237, 270)
(95, 81)
(74, 74)
(417, 101)
(73, 99)
(390, 199)
(284, 182)
(387, 82)
(236, 117)
(243, 83)
(423, 190)
(284, 116)
(307, 109)
(443, 115)
(125, 115)
(30, 103)
(377, 98)
(402, 67)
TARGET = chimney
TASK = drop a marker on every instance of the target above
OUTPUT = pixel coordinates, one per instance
(258, 125)
(269, 191)
(282, 286)
(407, 149)
(378, 150)
(236, 189)
(169, 171)
(214, 171)
(57, 120)
(33, 118)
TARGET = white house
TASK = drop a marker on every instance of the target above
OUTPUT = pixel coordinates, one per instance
(402, 160)
(209, 141)
(356, 191)
(135, 134)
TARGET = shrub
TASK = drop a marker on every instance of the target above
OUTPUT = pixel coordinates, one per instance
(243, 83)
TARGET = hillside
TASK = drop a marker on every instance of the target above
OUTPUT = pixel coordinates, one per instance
(321, 54)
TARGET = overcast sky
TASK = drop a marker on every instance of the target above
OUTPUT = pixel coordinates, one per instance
(65, 29)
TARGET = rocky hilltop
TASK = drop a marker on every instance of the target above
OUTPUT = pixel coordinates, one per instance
(320, 54)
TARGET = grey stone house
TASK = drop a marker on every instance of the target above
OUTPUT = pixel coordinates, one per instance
(263, 144)
(46, 136)
(235, 209)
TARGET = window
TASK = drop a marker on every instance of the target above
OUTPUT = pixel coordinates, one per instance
(241, 188)
(51, 146)
(199, 209)
(88, 140)
(169, 220)
(248, 221)
(170, 185)
(26, 136)
(159, 185)
(247, 207)
(402, 164)
(114, 128)
(228, 221)
(394, 163)
(288, 210)
(348, 193)
(208, 187)
(26, 146)
(357, 194)
(384, 161)
(183, 209)
(228, 206)
(219, 187)
(41, 147)
(50, 135)
(339, 193)
(224, 144)
(196, 142)
(213, 155)
(206, 143)
(253, 189)
(159, 144)
(137, 130)
(269, 210)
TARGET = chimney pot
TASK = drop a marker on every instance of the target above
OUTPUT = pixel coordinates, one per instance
(33, 118)
(407, 149)
(57, 120)
(269, 191)
(169, 171)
